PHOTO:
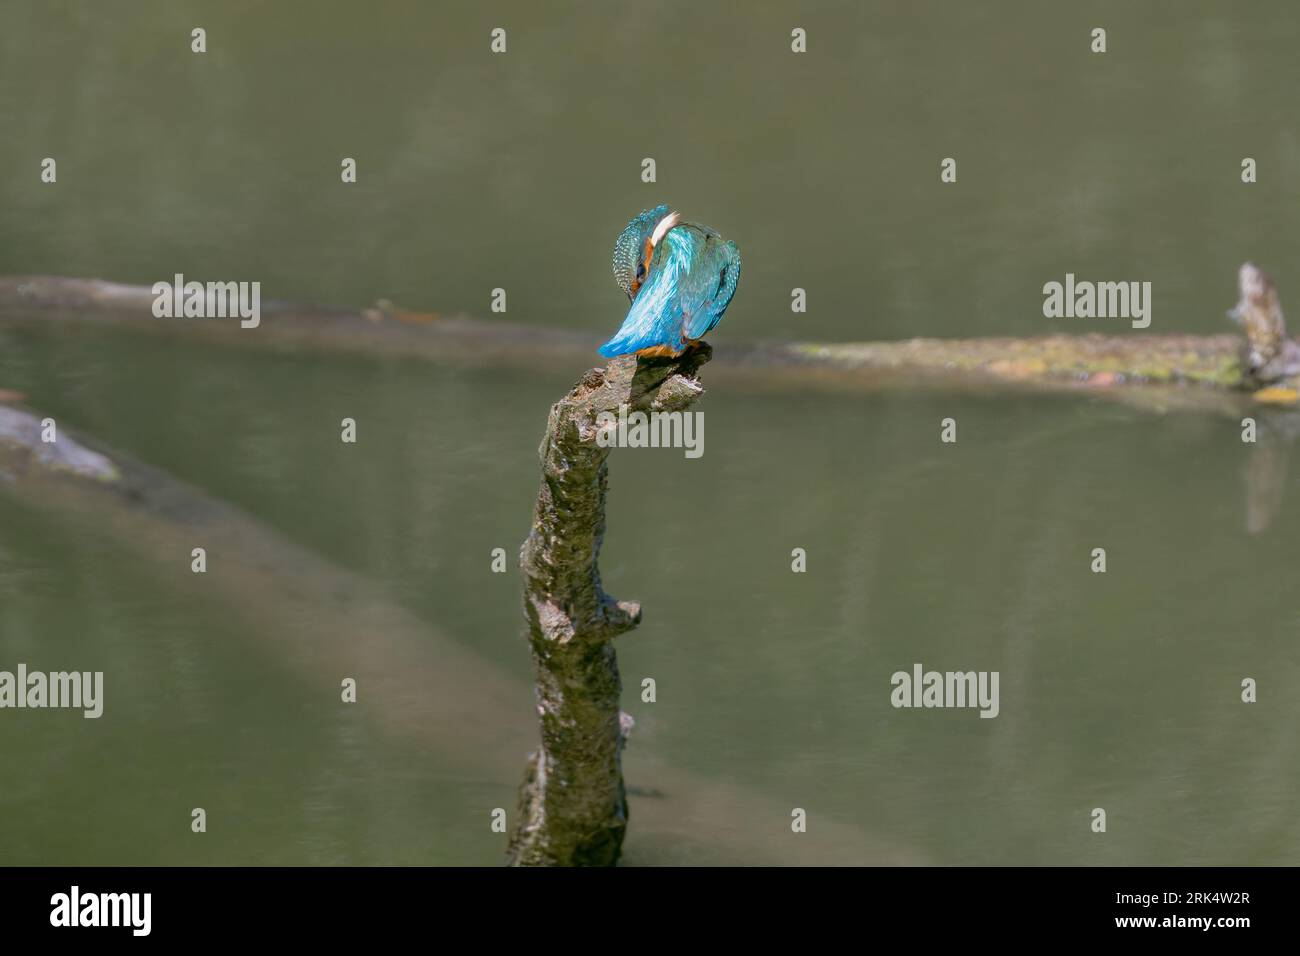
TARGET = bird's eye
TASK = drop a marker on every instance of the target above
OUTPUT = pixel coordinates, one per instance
(640, 271)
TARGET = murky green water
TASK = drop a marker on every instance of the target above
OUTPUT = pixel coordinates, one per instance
(1118, 690)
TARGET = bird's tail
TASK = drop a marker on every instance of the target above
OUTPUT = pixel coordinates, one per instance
(625, 343)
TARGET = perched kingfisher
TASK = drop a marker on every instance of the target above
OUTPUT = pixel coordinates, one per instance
(679, 276)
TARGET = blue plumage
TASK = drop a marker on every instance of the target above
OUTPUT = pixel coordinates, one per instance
(680, 277)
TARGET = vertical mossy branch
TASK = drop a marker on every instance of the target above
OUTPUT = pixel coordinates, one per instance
(573, 808)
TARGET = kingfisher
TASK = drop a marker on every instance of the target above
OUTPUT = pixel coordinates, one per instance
(679, 276)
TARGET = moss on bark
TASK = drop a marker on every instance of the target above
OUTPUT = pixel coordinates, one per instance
(573, 806)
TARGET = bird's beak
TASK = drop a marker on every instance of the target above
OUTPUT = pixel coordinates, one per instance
(661, 229)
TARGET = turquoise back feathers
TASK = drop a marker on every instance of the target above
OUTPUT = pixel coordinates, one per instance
(680, 277)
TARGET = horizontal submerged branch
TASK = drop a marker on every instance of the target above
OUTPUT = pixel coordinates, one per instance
(1117, 366)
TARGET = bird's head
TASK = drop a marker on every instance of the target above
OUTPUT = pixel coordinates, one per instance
(635, 247)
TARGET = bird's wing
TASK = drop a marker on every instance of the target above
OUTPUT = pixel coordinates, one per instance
(707, 290)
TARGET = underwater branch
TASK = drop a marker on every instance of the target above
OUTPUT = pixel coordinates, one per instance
(573, 806)
(1149, 370)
